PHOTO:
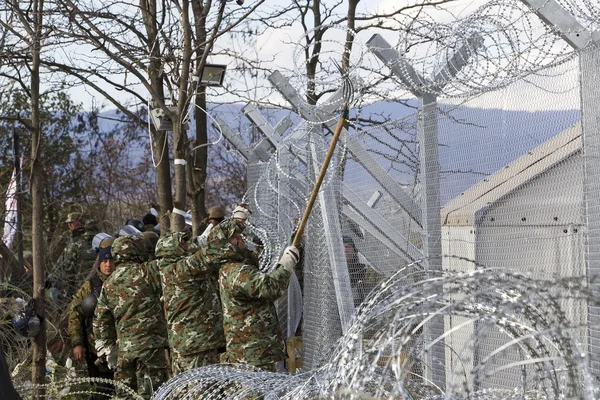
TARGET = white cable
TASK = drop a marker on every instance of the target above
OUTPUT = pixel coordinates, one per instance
(215, 123)
(178, 211)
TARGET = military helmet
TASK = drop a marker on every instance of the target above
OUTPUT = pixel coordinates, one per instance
(88, 305)
(98, 239)
(72, 217)
(151, 238)
(26, 322)
(129, 230)
(136, 223)
(106, 242)
(216, 212)
(149, 219)
(129, 248)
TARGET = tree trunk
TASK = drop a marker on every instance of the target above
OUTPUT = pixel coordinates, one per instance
(38, 368)
(199, 158)
(163, 177)
(199, 161)
(179, 201)
(161, 144)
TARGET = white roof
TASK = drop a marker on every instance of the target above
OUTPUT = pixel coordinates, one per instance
(461, 210)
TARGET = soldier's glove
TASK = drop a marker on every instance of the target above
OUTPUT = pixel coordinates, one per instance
(290, 258)
(202, 239)
(241, 212)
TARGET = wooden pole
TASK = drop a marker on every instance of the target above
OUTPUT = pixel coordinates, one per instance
(313, 196)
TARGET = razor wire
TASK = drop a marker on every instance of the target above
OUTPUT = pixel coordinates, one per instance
(382, 354)
(510, 331)
(507, 335)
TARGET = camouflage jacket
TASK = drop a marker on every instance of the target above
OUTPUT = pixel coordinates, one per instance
(78, 256)
(129, 312)
(247, 296)
(79, 327)
(191, 299)
(249, 316)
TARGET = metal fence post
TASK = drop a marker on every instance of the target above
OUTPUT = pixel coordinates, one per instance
(425, 91)
(587, 43)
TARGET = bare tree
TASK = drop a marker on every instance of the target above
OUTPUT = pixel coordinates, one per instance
(159, 48)
(27, 26)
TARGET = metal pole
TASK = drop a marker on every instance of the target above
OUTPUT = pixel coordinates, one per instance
(425, 90)
(587, 43)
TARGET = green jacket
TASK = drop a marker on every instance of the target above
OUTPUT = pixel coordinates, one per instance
(191, 299)
(79, 326)
(129, 313)
(249, 317)
(77, 257)
(252, 331)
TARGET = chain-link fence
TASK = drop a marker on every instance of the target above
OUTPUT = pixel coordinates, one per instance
(452, 251)
(516, 192)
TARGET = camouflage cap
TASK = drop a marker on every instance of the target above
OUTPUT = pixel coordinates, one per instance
(72, 217)
(216, 212)
(169, 245)
(129, 248)
(226, 229)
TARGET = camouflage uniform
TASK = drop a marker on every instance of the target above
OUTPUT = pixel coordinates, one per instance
(78, 257)
(192, 305)
(247, 296)
(130, 315)
(77, 321)
(80, 327)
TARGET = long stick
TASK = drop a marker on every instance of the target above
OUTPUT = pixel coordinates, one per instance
(317, 187)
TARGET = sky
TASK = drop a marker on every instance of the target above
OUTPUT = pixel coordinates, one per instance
(280, 45)
(274, 43)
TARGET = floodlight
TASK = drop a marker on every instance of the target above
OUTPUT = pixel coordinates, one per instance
(213, 75)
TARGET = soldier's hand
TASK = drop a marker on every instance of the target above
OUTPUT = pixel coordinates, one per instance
(290, 258)
(79, 353)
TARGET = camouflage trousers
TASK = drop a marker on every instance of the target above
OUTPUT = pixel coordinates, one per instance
(183, 363)
(143, 373)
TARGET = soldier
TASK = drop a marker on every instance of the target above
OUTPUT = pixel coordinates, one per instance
(77, 258)
(192, 305)
(149, 221)
(216, 215)
(129, 310)
(81, 314)
(249, 318)
(151, 239)
(362, 278)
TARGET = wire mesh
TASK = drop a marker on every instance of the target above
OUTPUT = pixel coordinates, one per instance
(493, 296)
(512, 196)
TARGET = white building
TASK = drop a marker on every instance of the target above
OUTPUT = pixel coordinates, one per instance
(526, 217)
